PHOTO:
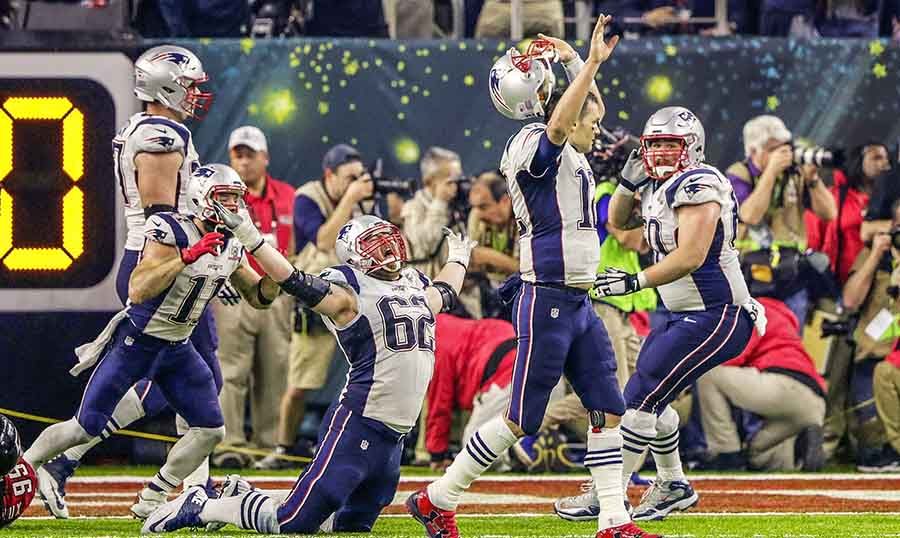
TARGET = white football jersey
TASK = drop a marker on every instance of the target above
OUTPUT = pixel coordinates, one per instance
(389, 345)
(556, 214)
(152, 134)
(719, 280)
(173, 314)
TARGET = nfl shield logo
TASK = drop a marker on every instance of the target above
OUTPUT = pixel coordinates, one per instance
(364, 445)
(554, 313)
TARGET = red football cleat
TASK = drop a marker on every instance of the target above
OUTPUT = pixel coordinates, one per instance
(438, 523)
(628, 530)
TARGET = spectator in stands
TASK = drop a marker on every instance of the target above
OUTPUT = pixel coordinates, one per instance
(773, 193)
(193, 18)
(347, 18)
(538, 16)
(867, 292)
(410, 19)
(428, 212)
(668, 16)
(831, 18)
(253, 344)
(473, 365)
(840, 238)
(776, 379)
(321, 208)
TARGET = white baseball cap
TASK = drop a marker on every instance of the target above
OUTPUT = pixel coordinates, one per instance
(249, 136)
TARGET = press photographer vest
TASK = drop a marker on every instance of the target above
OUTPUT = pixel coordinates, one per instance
(783, 223)
(877, 300)
(311, 259)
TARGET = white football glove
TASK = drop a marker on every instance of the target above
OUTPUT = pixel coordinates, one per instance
(459, 248)
(616, 282)
(758, 314)
(241, 226)
(634, 174)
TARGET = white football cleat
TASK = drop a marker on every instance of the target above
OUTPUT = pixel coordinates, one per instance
(178, 514)
(52, 477)
(148, 501)
(663, 498)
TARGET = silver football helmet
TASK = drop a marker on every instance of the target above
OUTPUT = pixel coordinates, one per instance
(369, 243)
(521, 84)
(209, 181)
(672, 123)
(171, 76)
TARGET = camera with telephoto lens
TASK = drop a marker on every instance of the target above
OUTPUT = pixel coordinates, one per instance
(818, 156)
(610, 152)
(836, 328)
(405, 187)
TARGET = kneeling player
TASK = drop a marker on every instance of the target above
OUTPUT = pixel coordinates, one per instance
(18, 483)
(382, 315)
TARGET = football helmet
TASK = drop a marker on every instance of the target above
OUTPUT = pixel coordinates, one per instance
(369, 243)
(521, 84)
(672, 123)
(209, 181)
(171, 76)
(10, 447)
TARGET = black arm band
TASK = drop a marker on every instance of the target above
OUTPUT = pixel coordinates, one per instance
(449, 298)
(158, 208)
(263, 300)
(309, 289)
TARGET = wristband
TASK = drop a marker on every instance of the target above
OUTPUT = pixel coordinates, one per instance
(573, 67)
(641, 280)
(449, 298)
(623, 189)
(263, 300)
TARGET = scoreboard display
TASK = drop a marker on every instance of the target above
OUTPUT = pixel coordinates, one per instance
(61, 224)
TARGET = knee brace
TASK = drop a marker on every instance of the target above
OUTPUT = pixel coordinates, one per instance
(667, 422)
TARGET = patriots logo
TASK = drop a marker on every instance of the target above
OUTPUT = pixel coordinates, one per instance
(204, 171)
(693, 188)
(157, 234)
(176, 58)
(495, 89)
(164, 141)
(345, 231)
(686, 116)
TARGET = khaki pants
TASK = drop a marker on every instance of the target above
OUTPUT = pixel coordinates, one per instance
(787, 406)
(310, 357)
(887, 400)
(544, 16)
(253, 349)
(409, 19)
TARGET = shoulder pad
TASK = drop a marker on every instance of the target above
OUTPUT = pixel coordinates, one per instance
(695, 187)
(159, 135)
(342, 275)
(166, 228)
(417, 277)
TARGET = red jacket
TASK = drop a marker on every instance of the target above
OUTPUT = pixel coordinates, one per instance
(823, 235)
(463, 349)
(273, 211)
(781, 348)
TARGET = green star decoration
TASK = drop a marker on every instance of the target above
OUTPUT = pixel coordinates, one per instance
(278, 106)
(876, 47)
(323, 107)
(247, 45)
(469, 80)
(671, 50)
(772, 102)
(658, 88)
(406, 150)
(879, 70)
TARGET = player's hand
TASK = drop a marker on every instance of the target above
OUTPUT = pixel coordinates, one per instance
(780, 159)
(563, 49)
(459, 248)
(229, 296)
(241, 226)
(361, 189)
(600, 48)
(208, 244)
(616, 282)
(758, 314)
(634, 173)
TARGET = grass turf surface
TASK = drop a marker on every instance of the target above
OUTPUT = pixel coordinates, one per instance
(768, 526)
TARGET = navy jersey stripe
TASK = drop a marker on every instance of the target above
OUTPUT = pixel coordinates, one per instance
(181, 238)
(673, 188)
(709, 278)
(182, 132)
(349, 275)
(546, 226)
(358, 343)
(423, 278)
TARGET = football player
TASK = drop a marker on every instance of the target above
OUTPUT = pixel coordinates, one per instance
(183, 264)
(690, 219)
(18, 483)
(552, 187)
(156, 147)
(382, 314)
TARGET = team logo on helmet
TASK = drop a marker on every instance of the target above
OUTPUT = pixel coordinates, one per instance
(176, 58)
(495, 89)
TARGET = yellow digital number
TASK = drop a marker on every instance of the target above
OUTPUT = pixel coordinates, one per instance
(46, 258)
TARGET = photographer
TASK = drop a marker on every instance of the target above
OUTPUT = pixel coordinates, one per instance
(493, 225)
(853, 184)
(869, 292)
(428, 212)
(773, 192)
(321, 208)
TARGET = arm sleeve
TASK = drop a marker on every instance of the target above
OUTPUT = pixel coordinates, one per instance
(603, 216)
(159, 135)
(307, 221)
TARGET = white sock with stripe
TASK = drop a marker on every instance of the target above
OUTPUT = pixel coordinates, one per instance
(638, 431)
(128, 410)
(665, 447)
(253, 510)
(604, 461)
(485, 446)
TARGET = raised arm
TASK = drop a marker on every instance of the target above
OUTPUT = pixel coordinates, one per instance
(442, 295)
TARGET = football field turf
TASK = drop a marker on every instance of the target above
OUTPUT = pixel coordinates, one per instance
(733, 505)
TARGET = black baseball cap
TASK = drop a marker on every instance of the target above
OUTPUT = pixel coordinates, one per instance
(338, 155)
